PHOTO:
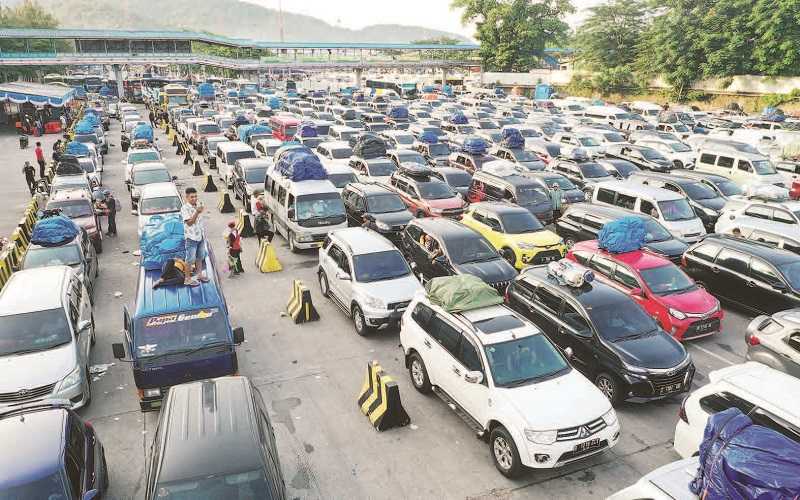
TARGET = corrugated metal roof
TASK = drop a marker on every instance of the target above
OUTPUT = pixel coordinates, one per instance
(36, 89)
(18, 33)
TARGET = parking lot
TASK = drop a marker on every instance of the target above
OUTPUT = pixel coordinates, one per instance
(310, 376)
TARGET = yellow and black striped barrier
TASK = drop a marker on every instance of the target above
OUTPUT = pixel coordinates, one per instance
(225, 205)
(266, 260)
(209, 186)
(6, 267)
(300, 307)
(380, 401)
(18, 248)
(243, 225)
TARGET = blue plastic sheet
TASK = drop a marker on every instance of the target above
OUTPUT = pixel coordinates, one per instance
(299, 165)
(84, 127)
(274, 102)
(307, 129)
(54, 231)
(206, 90)
(773, 114)
(106, 91)
(232, 93)
(76, 148)
(458, 118)
(625, 234)
(740, 460)
(162, 239)
(428, 89)
(429, 137)
(512, 138)
(475, 145)
(241, 120)
(246, 131)
(399, 113)
(143, 131)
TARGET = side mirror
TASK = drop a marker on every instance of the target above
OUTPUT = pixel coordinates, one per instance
(84, 325)
(118, 349)
(343, 276)
(638, 292)
(568, 352)
(473, 377)
(91, 495)
(238, 335)
(290, 214)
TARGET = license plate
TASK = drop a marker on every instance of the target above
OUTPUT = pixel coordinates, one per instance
(704, 327)
(317, 244)
(587, 445)
(551, 258)
(669, 388)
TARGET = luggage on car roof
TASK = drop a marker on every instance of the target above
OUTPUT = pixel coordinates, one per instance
(369, 146)
(301, 166)
(625, 234)
(462, 292)
(53, 231)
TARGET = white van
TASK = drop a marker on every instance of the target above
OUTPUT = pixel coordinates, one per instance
(303, 211)
(609, 115)
(227, 154)
(648, 110)
(741, 167)
(671, 209)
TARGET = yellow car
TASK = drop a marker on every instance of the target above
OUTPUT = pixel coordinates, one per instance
(519, 236)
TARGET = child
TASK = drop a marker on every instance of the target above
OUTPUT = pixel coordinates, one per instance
(233, 240)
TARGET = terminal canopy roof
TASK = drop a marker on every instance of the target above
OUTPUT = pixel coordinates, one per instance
(35, 93)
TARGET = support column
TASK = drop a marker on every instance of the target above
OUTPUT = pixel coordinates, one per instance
(444, 78)
(359, 75)
(118, 77)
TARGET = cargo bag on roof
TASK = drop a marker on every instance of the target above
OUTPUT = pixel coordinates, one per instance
(369, 146)
(740, 460)
(475, 145)
(461, 293)
(458, 118)
(429, 137)
(307, 129)
(162, 239)
(54, 231)
(84, 127)
(76, 148)
(398, 113)
(301, 166)
(512, 138)
(69, 165)
(142, 131)
(625, 234)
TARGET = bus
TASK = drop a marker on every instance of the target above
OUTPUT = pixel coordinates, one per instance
(172, 95)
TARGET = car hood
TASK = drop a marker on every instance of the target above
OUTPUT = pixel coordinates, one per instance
(543, 238)
(394, 218)
(396, 290)
(559, 395)
(695, 301)
(454, 202)
(492, 271)
(712, 203)
(654, 351)
(670, 247)
(84, 222)
(39, 368)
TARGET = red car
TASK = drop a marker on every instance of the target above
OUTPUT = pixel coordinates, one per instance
(672, 298)
(794, 192)
(425, 195)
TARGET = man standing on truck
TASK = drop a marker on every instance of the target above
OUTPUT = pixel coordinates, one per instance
(194, 232)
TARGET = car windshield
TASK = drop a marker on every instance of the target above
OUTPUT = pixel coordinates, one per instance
(621, 319)
(592, 170)
(531, 196)
(160, 205)
(379, 266)
(239, 486)
(458, 179)
(791, 271)
(385, 203)
(652, 154)
(655, 232)
(469, 249)
(33, 331)
(667, 280)
(699, 191)
(65, 255)
(439, 149)
(520, 222)
(524, 360)
(72, 208)
(319, 206)
(404, 139)
(48, 487)
(178, 332)
(141, 177)
(588, 141)
(764, 167)
(679, 147)
(728, 188)
(208, 128)
(522, 155)
(232, 156)
(411, 156)
(465, 129)
(613, 137)
(564, 183)
(435, 190)
(340, 180)
(381, 168)
(140, 156)
(674, 210)
(680, 127)
(255, 175)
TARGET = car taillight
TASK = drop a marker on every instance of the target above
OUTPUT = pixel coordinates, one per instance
(753, 340)
(682, 411)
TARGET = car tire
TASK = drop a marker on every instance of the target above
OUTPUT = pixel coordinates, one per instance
(419, 374)
(610, 387)
(360, 322)
(678, 164)
(94, 335)
(292, 244)
(98, 246)
(504, 452)
(509, 255)
(323, 284)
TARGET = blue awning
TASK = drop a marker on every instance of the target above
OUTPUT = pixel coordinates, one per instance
(35, 93)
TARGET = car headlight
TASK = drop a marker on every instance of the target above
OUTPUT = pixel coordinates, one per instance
(541, 437)
(374, 303)
(155, 393)
(636, 369)
(676, 313)
(71, 380)
(382, 225)
(525, 245)
(610, 418)
(304, 238)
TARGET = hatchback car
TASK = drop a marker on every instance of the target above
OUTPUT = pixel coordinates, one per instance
(377, 206)
(144, 174)
(424, 194)
(79, 254)
(775, 341)
(158, 199)
(77, 205)
(139, 155)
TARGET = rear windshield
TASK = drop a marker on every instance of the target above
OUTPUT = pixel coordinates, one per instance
(174, 333)
(255, 175)
(232, 156)
(141, 177)
(65, 255)
(140, 156)
(72, 208)
(341, 180)
(240, 486)
(160, 205)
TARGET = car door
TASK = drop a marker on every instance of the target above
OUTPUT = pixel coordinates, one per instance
(767, 288)
(576, 333)
(729, 276)
(472, 396)
(441, 359)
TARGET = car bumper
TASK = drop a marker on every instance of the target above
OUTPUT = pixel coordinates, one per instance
(538, 256)
(383, 318)
(560, 453)
(307, 245)
(645, 388)
(686, 444)
(693, 328)
(152, 402)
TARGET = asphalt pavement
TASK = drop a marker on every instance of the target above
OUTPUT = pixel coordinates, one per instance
(310, 376)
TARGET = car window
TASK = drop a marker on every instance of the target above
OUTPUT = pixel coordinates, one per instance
(468, 355)
(706, 251)
(605, 195)
(445, 334)
(646, 207)
(714, 403)
(783, 216)
(759, 212)
(625, 201)
(549, 300)
(725, 162)
(745, 166)
(763, 417)
(592, 222)
(602, 265)
(413, 233)
(74, 475)
(576, 321)
(626, 278)
(422, 314)
(732, 260)
(708, 158)
(493, 223)
(762, 271)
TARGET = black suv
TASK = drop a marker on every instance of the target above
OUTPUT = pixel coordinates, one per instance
(385, 210)
(463, 251)
(583, 221)
(755, 276)
(614, 342)
(585, 174)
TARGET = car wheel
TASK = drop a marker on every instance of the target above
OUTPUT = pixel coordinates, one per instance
(609, 386)
(323, 284)
(292, 244)
(419, 374)
(360, 323)
(94, 335)
(504, 452)
(96, 267)
(98, 246)
(678, 164)
(569, 242)
(509, 255)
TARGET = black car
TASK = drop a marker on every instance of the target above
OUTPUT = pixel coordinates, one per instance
(458, 179)
(583, 174)
(723, 186)
(613, 341)
(621, 169)
(752, 275)
(50, 453)
(214, 440)
(248, 178)
(463, 251)
(583, 221)
(643, 157)
(385, 210)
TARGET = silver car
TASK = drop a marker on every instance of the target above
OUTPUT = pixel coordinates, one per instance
(775, 341)
(46, 332)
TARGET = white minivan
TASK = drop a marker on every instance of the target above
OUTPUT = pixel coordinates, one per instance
(227, 154)
(671, 209)
(741, 167)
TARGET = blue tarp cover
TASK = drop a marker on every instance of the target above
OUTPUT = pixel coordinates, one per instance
(142, 131)
(625, 234)
(475, 145)
(428, 89)
(301, 166)
(245, 131)
(740, 460)
(106, 91)
(429, 137)
(84, 127)
(399, 113)
(307, 129)
(232, 93)
(512, 138)
(274, 103)
(162, 239)
(76, 148)
(54, 231)
(241, 120)
(773, 114)
(206, 90)
(458, 118)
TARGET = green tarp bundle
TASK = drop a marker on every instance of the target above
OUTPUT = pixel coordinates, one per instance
(461, 293)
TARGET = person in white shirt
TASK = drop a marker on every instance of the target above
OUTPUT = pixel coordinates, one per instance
(194, 233)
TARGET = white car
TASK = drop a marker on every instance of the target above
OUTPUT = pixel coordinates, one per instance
(139, 155)
(571, 141)
(668, 482)
(774, 217)
(367, 277)
(679, 153)
(334, 152)
(508, 382)
(766, 395)
(144, 174)
(160, 198)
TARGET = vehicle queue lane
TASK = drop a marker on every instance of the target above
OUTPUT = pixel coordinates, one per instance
(310, 375)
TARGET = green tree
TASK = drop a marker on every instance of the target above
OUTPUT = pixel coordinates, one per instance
(514, 33)
(27, 14)
(726, 39)
(611, 33)
(776, 48)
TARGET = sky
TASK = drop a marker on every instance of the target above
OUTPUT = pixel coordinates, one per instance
(355, 14)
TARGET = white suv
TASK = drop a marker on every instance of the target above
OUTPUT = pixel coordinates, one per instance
(767, 396)
(507, 381)
(366, 276)
(776, 217)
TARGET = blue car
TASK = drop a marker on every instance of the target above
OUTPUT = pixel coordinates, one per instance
(54, 456)
(177, 334)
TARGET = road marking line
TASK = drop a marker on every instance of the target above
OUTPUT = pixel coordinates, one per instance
(714, 355)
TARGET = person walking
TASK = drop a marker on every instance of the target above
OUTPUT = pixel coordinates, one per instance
(111, 207)
(63, 122)
(30, 176)
(556, 197)
(40, 158)
(152, 119)
(261, 223)
(233, 240)
(194, 232)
